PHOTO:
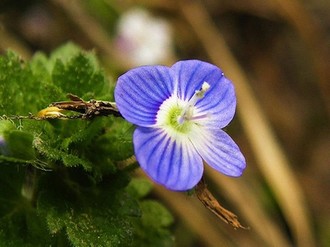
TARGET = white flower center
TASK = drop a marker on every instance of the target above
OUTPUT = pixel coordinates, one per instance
(178, 115)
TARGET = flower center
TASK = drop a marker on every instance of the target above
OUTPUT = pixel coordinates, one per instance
(179, 115)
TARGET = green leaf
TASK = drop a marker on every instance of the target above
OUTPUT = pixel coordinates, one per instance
(139, 187)
(19, 145)
(120, 144)
(22, 90)
(11, 178)
(56, 154)
(152, 229)
(80, 76)
(77, 196)
(85, 134)
(15, 81)
(70, 204)
(69, 50)
(155, 214)
(15, 145)
(41, 66)
(19, 222)
(98, 230)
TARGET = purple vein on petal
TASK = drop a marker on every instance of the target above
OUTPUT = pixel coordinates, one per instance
(222, 110)
(133, 98)
(219, 151)
(183, 90)
(172, 173)
(140, 92)
(167, 83)
(143, 115)
(153, 92)
(161, 169)
(157, 149)
(146, 141)
(156, 79)
(130, 96)
(187, 88)
(187, 167)
(211, 103)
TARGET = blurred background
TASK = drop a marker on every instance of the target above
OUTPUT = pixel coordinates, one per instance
(277, 54)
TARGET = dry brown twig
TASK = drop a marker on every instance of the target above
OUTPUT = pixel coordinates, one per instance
(85, 109)
(211, 203)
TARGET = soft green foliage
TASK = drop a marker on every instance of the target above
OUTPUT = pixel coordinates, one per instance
(60, 183)
(152, 229)
(139, 187)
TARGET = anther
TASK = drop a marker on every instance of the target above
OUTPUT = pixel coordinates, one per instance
(187, 113)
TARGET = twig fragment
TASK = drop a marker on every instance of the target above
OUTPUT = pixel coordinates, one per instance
(89, 109)
(86, 109)
(210, 202)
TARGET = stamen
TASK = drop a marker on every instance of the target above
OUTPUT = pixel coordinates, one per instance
(199, 94)
(202, 116)
(188, 111)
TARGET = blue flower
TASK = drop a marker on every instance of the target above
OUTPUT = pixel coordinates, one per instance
(179, 112)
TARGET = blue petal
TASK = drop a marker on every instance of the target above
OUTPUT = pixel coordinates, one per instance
(171, 162)
(189, 76)
(140, 92)
(219, 151)
(219, 101)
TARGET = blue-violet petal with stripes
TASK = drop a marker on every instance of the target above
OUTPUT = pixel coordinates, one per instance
(179, 112)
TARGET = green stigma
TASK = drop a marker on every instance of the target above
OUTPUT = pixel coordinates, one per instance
(173, 120)
(179, 115)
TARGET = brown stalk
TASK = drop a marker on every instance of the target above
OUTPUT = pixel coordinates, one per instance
(210, 202)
